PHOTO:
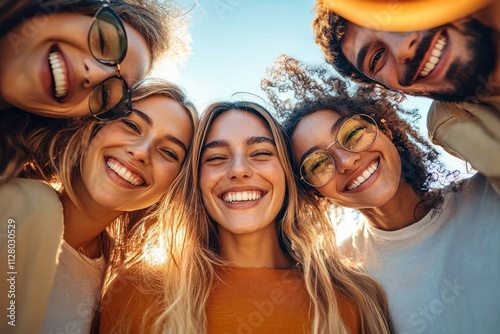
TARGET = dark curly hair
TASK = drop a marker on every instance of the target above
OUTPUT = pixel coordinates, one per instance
(297, 90)
(329, 29)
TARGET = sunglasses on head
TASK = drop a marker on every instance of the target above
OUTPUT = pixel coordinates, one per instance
(356, 134)
(107, 40)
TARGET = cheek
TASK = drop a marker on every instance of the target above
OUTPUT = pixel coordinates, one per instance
(166, 173)
(328, 190)
(86, 166)
(90, 157)
(206, 183)
(394, 161)
(282, 185)
(206, 188)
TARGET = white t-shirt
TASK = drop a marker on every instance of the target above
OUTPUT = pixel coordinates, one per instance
(441, 274)
(75, 293)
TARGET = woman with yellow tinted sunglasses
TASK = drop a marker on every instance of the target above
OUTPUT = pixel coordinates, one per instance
(432, 245)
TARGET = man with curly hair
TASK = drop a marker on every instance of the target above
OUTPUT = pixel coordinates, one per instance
(447, 52)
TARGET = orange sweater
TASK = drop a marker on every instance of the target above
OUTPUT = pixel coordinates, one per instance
(259, 300)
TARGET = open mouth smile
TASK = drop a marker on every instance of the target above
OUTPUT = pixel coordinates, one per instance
(242, 196)
(363, 177)
(124, 172)
(434, 58)
(59, 74)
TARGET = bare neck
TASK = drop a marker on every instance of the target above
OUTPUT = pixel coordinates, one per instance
(401, 211)
(256, 250)
(83, 225)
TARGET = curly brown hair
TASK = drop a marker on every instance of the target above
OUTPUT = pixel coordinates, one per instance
(329, 29)
(297, 90)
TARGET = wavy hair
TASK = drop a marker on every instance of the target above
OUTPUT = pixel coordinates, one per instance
(329, 29)
(297, 90)
(180, 285)
(68, 146)
(57, 149)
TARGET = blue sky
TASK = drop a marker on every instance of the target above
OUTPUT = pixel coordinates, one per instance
(234, 41)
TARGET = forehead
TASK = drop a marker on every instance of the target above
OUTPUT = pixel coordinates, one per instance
(236, 125)
(160, 108)
(314, 130)
(355, 38)
(322, 120)
(168, 117)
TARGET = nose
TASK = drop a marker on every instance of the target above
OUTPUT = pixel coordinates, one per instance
(95, 72)
(239, 168)
(344, 160)
(140, 151)
(404, 46)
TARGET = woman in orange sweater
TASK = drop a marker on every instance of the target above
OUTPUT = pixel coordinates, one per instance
(243, 254)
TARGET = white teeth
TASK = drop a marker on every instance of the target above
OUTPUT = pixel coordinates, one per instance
(242, 196)
(362, 178)
(58, 74)
(434, 59)
(124, 173)
(436, 53)
(440, 44)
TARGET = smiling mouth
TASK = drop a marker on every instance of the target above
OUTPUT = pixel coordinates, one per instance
(242, 196)
(124, 173)
(434, 59)
(58, 71)
(363, 177)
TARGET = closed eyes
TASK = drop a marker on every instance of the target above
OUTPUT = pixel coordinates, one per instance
(215, 157)
(262, 153)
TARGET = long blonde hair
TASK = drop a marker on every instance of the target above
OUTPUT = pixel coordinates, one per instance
(181, 283)
(59, 145)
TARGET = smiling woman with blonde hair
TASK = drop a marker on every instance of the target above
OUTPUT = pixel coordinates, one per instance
(241, 251)
(75, 58)
(106, 180)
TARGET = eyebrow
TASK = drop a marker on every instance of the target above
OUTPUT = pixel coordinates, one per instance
(143, 116)
(336, 125)
(224, 143)
(361, 57)
(260, 139)
(149, 121)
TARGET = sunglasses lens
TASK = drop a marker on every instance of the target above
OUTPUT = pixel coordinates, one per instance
(109, 100)
(358, 133)
(107, 37)
(317, 169)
